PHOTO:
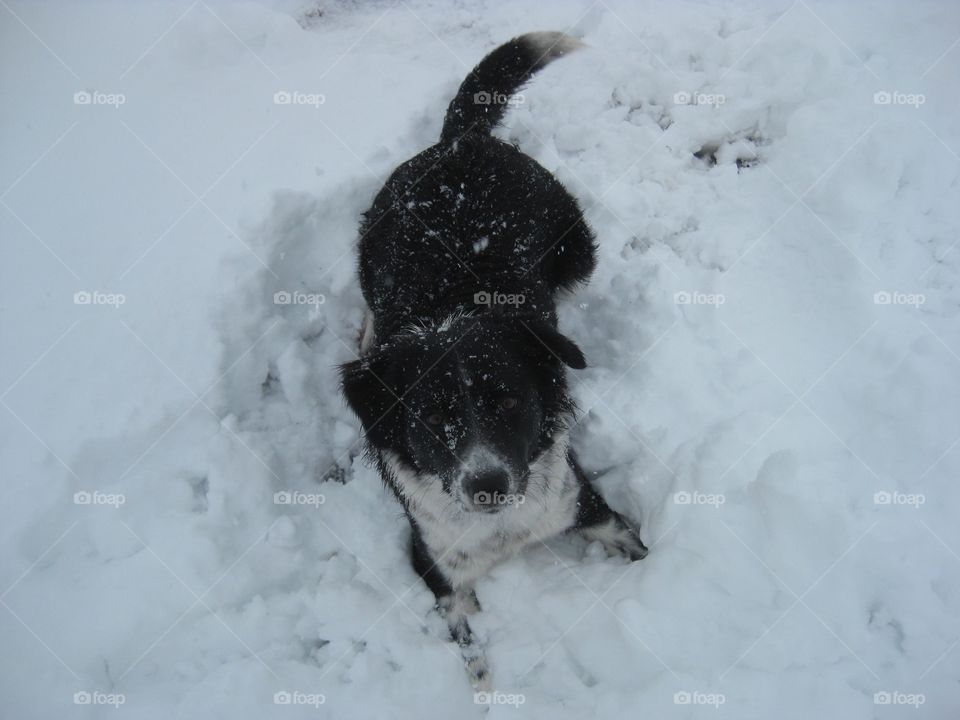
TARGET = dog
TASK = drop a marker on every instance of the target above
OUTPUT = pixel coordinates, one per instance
(461, 383)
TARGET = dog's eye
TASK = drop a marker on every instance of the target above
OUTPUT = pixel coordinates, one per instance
(508, 403)
(435, 419)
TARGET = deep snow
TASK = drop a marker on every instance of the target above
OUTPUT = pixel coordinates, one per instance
(772, 337)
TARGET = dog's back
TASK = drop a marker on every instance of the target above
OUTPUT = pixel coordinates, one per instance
(473, 216)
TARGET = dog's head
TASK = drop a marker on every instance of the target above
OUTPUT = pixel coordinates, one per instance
(468, 404)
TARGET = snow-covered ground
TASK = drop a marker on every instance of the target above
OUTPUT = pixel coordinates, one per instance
(772, 335)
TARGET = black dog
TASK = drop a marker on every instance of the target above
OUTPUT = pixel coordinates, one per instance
(461, 389)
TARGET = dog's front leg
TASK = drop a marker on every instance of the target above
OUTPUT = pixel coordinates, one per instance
(597, 521)
(455, 605)
(455, 608)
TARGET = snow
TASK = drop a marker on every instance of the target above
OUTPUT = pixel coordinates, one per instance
(187, 526)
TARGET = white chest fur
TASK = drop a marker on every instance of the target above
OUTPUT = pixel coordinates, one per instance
(465, 545)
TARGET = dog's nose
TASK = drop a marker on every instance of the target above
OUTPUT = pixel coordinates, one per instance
(488, 489)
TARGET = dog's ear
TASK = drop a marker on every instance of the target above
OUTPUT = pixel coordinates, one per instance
(371, 390)
(548, 339)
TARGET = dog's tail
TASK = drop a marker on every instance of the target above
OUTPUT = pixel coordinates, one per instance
(481, 101)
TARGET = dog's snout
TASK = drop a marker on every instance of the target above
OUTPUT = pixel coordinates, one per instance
(487, 488)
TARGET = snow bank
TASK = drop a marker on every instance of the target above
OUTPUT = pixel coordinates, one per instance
(189, 528)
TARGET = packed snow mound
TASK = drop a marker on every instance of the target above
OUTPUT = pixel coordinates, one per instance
(191, 529)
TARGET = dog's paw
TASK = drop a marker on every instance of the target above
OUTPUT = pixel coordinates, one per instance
(478, 672)
(478, 669)
(633, 547)
(618, 538)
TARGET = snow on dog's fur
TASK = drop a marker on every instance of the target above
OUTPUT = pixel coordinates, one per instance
(461, 389)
